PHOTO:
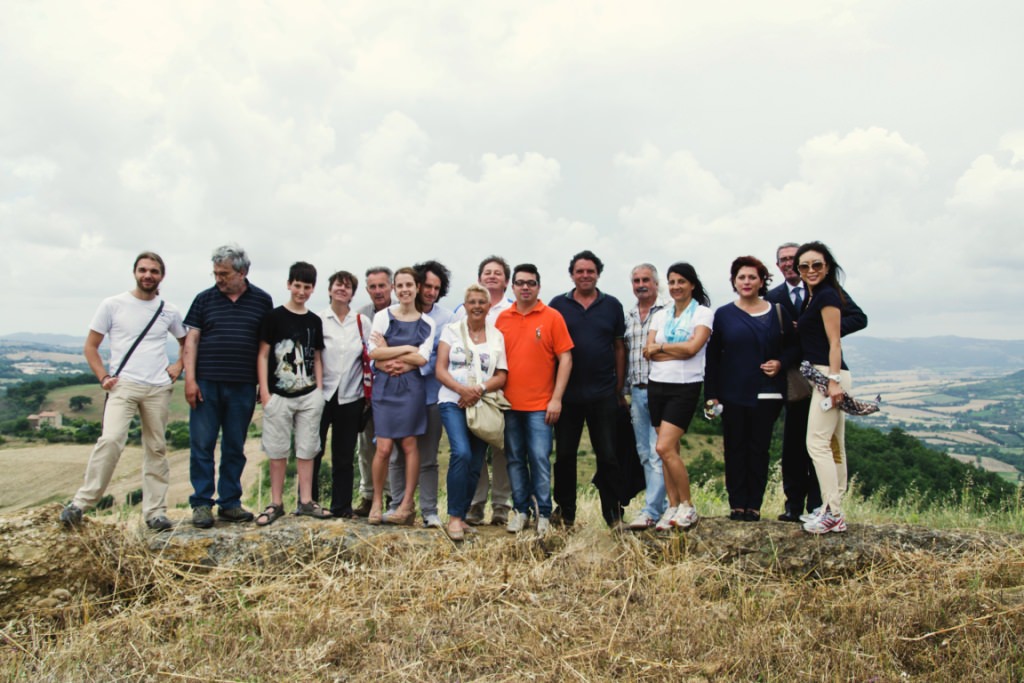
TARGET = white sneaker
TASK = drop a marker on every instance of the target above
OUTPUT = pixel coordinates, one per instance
(826, 523)
(665, 523)
(812, 515)
(516, 522)
(543, 524)
(686, 516)
(432, 522)
(642, 521)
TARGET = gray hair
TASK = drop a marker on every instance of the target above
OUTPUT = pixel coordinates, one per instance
(648, 266)
(234, 255)
(787, 245)
(373, 270)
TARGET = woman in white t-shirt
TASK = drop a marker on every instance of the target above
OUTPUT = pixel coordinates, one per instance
(470, 363)
(675, 346)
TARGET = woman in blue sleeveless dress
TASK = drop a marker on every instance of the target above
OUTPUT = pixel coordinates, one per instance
(401, 341)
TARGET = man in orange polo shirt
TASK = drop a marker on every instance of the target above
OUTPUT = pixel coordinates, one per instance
(538, 347)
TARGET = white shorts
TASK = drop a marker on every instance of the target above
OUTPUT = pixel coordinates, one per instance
(284, 416)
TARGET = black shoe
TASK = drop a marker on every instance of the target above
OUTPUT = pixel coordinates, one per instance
(558, 518)
(736, 515)
(159, 523)
(236, 514)
(751, 516)
(788, 516)
(71, 516)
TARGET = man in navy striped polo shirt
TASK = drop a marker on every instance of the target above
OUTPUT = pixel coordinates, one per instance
(220, 383)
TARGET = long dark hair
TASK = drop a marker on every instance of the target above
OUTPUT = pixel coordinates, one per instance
(835, 274)
(687, 271)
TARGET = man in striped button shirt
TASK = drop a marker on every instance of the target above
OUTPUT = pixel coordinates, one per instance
(638, 323)
(220, 383)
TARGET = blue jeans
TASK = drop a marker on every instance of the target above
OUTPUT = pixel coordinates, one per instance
(646, 439)
(528, 450)
(226, 409)
(467, 459)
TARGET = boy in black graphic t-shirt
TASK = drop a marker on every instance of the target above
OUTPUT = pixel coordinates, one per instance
(291, 382)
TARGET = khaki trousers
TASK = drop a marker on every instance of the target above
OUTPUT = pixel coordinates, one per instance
(124, 401)
(826, 444)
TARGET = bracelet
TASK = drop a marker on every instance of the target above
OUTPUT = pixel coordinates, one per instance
(105, 378)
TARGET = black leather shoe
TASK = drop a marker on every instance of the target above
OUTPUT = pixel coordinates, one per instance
(788, 516)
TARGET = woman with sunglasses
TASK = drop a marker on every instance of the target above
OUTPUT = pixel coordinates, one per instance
(744, 373)
(819, 331)
(675, 346)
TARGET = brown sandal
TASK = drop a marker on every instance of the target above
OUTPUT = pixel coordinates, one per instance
(270, 515)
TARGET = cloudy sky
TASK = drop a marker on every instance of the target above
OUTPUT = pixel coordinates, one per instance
(351, 134)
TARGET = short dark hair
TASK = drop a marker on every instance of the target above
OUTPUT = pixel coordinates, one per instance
(756, 264)
(527, 268)
(152, 256)
(494, 259)
(346, 277)
(687, 271)
(438, 269)
(302, 272)
(587, 255)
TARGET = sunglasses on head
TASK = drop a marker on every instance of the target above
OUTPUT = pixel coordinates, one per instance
(809, 266)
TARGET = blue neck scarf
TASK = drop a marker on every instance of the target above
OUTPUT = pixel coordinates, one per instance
(680, 329)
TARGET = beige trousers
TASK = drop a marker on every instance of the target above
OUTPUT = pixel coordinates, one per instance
(124, 401)
(826, 444)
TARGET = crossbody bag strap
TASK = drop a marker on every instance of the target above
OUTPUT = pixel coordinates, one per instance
(138, 339)
(474, 357)
(367, 372)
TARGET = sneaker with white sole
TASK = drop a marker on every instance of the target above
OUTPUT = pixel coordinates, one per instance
(812, 515)
(516, 522)
(686, 516)
(432, 522)
(826, 523)
(642, 521)
(665, 523)
(543, 525)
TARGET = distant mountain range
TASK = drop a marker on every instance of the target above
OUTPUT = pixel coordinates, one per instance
(864, 355)
(871, 355)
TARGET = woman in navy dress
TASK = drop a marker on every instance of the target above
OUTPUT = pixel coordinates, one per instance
(400, 343)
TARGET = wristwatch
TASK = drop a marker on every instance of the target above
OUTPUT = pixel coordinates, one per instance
(835, 378)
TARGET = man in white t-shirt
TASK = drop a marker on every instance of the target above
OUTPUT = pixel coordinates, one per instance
(140, 381)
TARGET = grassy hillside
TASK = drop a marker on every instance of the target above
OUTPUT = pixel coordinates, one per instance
(57, 399)
(406, 605)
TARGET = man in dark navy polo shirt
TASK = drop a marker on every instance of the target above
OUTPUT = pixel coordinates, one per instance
(220, 383)
(597, 326)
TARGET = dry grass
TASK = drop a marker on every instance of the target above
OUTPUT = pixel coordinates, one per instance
(585, 606)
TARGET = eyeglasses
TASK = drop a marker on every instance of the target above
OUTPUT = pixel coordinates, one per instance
(525, 283)
(809, 266)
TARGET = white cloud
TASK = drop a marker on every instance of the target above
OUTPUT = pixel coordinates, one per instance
(366, 132)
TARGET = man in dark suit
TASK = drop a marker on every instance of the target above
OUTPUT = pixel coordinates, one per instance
(799, 481)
